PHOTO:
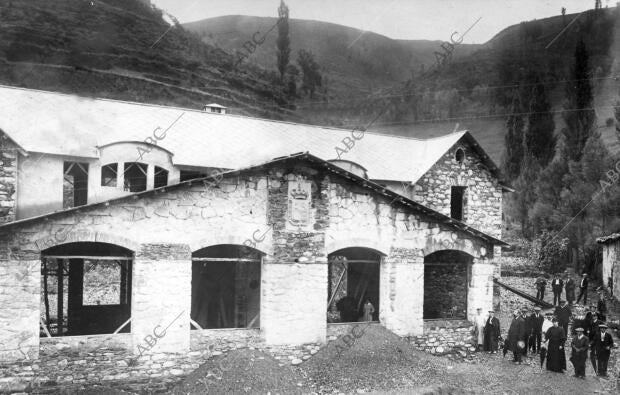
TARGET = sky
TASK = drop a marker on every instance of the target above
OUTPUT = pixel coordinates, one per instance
(398, 19)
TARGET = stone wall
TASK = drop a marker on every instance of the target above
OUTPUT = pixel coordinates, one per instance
(161, 299)
(444, 337)
(611, 265)
(164, 227)
(483, 210)
(19, 313)
(8, 179)
(445, 291)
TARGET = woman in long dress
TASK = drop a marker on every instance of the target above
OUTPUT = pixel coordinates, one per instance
(556, 356)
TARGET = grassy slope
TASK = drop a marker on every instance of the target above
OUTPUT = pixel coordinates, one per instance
(355, 62)
(106, 50)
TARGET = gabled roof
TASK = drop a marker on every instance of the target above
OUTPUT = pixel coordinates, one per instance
(63, 124)
(296, 158)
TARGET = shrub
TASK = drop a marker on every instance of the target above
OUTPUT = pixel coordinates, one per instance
(552, 253)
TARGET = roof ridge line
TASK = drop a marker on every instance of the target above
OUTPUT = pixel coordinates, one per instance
(142, 104)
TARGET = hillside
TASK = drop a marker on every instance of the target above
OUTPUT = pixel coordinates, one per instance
(475, 90)
(354, 62)
(124, 50)
(120, 49)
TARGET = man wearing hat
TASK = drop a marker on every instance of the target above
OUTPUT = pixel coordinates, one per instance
(563, 313)
(491, 333)
(516, 334)
(580, 353)
(603, 343)
(528, 330)
(583, 289)
(536, 322)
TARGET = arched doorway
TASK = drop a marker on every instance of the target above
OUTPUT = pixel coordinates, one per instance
(86, 289)
(226, 282)
(446, 283)
(353, 280)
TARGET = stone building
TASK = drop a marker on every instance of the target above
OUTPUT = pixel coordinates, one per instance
(123, 221)
(610, 267)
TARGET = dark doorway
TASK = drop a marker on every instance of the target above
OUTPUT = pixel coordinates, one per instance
(86, 288)
(446, 281)
(353, 280)
(226, 287)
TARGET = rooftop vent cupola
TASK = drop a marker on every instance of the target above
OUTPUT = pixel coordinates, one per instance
(350, 166)
(214, 108)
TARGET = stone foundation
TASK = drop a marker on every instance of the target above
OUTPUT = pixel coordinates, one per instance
(446, 337)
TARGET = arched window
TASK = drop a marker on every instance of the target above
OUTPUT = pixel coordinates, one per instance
(86, 288)
(135, 176)
(353, 285)
(226, 287)
(459, 155)
(109, 175)
(161, 177)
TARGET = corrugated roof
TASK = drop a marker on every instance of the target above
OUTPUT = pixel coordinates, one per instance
(374, 187)
(63, 124)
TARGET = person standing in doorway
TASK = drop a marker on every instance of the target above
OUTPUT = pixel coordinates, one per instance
(369, 310)
(583, 289)
(556, 286)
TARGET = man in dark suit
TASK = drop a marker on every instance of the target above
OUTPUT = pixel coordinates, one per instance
(583, 289)
(541, 283)
(516, 334)
(536, 321)
(603, 343)
(593, 331)
(563, 312)
(556, 286)
(491, 333)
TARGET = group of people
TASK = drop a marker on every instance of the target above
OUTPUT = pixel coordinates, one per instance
(547, 336)
(567, 284)
(525, 333)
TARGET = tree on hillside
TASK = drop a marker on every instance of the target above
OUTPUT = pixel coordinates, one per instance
(513, 141)
(580, 200)
(292, 75)
(547, 191)
(284, 42)
(311, 79)
(564, 16)
(525, 194)
(539, 137)
(579, 115)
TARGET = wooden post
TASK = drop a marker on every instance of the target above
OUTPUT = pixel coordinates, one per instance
(59, 304)
(45, 294)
